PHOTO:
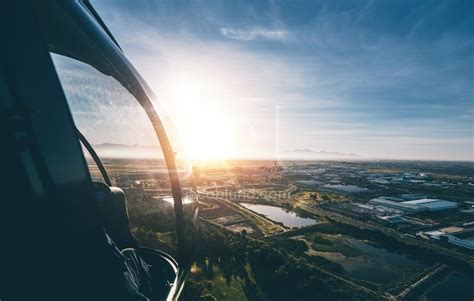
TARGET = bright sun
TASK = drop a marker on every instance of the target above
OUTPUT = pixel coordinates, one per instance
(206, 126)
(205, 139)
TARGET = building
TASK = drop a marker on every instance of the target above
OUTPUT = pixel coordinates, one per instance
(455, 235)
(463, 239)
(392, 219)
(415, 205)
(413, 196)
(433, 204)
(381, 201)
(308, 183)
(343, 189)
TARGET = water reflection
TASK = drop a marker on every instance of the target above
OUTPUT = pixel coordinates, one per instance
(170, 200)
(286, 217)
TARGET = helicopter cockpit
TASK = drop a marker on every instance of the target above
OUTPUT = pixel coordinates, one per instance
(115, 117)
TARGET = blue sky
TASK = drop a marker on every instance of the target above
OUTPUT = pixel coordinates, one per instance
(383, 79)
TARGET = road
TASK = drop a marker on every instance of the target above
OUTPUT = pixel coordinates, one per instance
(363, 225)
(406, 291)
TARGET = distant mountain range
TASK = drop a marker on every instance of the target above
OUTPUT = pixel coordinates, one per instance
(311, 154)
(137, 151)
(116, 150)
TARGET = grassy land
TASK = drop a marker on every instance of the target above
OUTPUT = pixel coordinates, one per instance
(222, 291)
(314, 197)
(332, 243)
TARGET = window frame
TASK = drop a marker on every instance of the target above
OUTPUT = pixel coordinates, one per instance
(85, 39)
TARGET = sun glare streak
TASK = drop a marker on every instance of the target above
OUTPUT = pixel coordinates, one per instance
(205, 125)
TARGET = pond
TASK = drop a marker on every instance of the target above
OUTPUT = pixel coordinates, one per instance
(376, 265)
(287, 217)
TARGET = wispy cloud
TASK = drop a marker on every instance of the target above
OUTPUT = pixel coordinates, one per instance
(249, 34)
(346, 78)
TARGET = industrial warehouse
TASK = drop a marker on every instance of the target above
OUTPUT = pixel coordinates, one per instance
(415, 205)
(454, 235)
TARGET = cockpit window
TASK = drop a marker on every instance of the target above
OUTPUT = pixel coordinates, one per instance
(118, 128)
(106, 113)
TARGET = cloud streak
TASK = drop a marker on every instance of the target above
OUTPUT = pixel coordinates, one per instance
(249, 34)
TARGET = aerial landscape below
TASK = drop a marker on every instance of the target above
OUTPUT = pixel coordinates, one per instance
(361, 230)
(237, 150)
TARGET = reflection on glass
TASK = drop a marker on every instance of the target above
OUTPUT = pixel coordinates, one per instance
(116, 125)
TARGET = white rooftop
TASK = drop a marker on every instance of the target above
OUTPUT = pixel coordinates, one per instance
(434, 233)
(432, 204)
(421, 201)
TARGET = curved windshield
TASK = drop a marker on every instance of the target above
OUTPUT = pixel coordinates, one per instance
(120, 131)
